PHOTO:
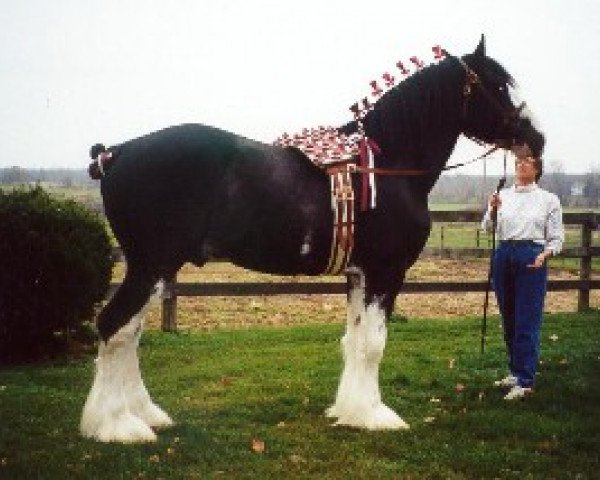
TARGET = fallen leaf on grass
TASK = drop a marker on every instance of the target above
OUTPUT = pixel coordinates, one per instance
(281, 425)
(226, 381)
(258, 446)
(297, 459)
(564, 361)
(429, 419)
(451, 363)
(435, 400)
(154, 459)
(549, 446)
(460, 387)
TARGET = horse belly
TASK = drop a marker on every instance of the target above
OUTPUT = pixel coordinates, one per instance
(272, 242)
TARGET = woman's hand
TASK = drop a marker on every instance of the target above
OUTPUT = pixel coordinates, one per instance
(540, 259)
(495, 201)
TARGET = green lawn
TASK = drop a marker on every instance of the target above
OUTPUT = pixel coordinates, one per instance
(227, 388)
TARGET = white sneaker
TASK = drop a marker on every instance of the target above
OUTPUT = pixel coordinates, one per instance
(517, 392)
(507, 382)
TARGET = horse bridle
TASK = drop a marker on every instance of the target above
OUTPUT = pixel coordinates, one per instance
(510, 116)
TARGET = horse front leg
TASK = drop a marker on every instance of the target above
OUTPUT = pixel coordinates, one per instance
(358, 400)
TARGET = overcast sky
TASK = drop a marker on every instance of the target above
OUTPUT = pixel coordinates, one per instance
(77, 72)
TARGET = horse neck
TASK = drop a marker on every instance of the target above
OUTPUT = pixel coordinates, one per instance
(418, 123)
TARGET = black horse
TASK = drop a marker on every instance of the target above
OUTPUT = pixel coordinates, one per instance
(191, 193)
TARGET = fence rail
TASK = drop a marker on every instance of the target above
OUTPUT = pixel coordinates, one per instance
(585, 253)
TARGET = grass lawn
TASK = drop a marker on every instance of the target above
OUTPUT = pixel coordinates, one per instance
(226, 389)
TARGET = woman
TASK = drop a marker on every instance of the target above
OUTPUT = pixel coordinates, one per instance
(530, 229)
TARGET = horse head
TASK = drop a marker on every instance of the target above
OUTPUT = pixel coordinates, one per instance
(491, 111)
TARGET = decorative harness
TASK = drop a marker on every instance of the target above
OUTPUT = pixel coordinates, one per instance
(342, 156)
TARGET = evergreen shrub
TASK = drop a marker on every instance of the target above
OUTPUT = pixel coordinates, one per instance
(55, 268)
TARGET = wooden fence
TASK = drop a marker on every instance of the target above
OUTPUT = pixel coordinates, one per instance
(585, 252)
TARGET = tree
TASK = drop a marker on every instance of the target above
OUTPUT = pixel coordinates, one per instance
(555, 180)
(14, 175)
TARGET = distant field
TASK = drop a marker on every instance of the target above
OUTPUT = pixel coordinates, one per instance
(89, 196)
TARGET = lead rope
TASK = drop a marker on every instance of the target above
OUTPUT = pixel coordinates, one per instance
(494, 215)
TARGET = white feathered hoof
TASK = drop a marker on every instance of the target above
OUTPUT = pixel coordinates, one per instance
(122, 428)
(379, 417)
(332, 412)
(154, 416)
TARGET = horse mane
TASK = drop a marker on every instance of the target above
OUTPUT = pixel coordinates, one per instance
(408, 118)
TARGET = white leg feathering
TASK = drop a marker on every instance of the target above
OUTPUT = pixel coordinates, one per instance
(118, 407)
(358, 400)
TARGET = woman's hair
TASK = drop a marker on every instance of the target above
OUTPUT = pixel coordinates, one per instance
(539, 167)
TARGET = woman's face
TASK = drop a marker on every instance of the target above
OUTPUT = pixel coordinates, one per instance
(525, 170)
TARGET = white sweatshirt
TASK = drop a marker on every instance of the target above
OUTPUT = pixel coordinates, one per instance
(529, 213)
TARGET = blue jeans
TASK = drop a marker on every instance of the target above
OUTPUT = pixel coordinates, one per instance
(520, 292)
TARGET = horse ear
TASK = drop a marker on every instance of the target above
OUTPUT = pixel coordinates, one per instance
(480, 50)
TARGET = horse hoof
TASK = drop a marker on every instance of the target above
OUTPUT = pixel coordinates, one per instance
(125, 428)
(384, 418)
(154, 416)
(377, 418)
(332, 412)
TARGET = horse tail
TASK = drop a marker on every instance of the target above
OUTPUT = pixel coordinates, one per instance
(102, 161)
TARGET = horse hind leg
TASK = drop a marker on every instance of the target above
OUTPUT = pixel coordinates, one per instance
(118, 407)
(358, 400)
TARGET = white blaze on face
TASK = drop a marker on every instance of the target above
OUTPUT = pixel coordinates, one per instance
(516, 97)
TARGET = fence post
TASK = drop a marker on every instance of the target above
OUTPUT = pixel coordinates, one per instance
(169, 306)
(478, 237)
(585, 270)
(442, 238)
